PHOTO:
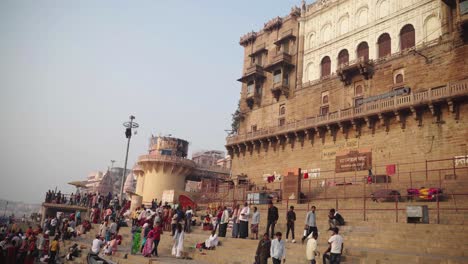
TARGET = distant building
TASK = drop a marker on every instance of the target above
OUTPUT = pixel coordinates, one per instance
(224, 162)
(207, 158)
(116, 174)
(110, 181)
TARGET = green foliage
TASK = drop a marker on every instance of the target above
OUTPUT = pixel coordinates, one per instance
(237, 117)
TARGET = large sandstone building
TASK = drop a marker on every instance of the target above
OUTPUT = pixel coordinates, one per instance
(338, 88)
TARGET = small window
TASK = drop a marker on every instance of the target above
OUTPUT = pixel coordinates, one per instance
(286, 47)
(277, 76)
(399, 78)
(325, 99)
(286, 79)
(325, 66)
(282, 121)
(259, 59)
(254, 128)
(358, 90)
(258, 88)
(324, 110)
(250, 87)
(282, 110)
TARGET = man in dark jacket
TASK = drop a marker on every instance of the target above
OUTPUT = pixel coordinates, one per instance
(271, 219)
(290, 219)
(263, 250)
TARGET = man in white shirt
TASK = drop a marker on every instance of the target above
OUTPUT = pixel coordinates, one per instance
(310, 224)
(212, 241)
(224, 222)
(278, 250)
(255, 222)
(97, 244)
(335, 248)
(244, 221)
(311, 248)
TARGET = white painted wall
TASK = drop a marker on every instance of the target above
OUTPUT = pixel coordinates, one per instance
(336, 24)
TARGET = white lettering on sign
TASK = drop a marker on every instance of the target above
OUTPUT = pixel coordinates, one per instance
(461, 160)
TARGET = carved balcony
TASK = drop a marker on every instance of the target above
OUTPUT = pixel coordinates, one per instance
(254, 72)
(362, 66)
(280, 88)
(280, 60)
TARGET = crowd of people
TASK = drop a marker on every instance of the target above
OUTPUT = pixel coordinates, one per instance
(88, 199)
(149, 223)
(41, 243)
(272, 243)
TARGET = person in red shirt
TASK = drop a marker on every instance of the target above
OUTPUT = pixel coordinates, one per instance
(157, 232)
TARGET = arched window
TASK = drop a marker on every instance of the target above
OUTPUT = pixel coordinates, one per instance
(325, 99)
(399, 78)
(385, 45)
(407, 37)
(358, 90)
(343, 57)
(363, 50)
(282, 110)
(325, 66)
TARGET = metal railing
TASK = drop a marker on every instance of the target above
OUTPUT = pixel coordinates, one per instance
(383, 105)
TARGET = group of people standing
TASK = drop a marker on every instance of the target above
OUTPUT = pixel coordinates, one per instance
(148, 225)
(27, 247)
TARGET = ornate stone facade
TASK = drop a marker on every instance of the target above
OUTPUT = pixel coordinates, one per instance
(398, 104)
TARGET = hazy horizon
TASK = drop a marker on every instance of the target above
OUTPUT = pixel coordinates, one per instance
(73, 71)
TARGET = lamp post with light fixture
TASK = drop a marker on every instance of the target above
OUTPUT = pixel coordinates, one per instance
(128, 134)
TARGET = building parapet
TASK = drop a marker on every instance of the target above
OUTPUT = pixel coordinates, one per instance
(166, 158)
(392, 104)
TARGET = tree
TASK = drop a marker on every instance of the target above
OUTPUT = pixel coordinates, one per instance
(237, 117)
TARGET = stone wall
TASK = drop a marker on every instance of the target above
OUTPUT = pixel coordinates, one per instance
(426, 139)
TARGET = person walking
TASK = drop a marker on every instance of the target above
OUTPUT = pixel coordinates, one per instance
(263, 250)
(178, 238)
(310, 223)
(244, 221)
(158, 230)
(272, 218)
(255, 222)
(54, 249)
(188, 220)
(311, 248)
(278, 249)
(335, 248)
(290, 219)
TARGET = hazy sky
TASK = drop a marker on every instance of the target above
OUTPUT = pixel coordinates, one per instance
(71, 72)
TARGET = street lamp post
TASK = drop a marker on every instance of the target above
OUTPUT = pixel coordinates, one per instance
(128, 134)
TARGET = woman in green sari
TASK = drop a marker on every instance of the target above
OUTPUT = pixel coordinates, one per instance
(136, 240)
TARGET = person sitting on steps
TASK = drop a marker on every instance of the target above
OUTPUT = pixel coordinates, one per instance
(335, 219)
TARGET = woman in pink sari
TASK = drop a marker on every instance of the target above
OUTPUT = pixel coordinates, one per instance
(148, 244)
